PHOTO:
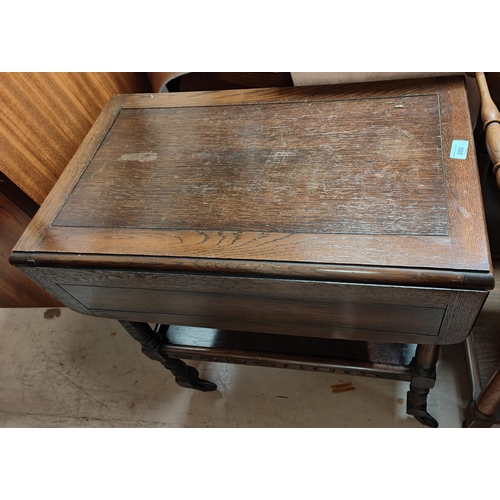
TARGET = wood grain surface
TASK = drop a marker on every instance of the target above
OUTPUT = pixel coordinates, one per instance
(44, 278)
(45, 117)
(386, 250)
(323, 291)
(268, 311)
(221, 177)
(244, 97)
(70, 176)
(463, 188)
(269, 269)
(275, 328)
(318, 167)
(197, 297)
(461, 313)
(237, 210)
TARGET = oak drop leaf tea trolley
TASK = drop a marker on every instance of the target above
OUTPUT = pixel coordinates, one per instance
(327, 228)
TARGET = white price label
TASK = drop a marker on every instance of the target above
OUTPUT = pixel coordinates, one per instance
(459, 150)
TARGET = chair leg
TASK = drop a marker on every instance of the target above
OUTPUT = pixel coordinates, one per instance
(481, 413)
(152, 342)
(423, 379)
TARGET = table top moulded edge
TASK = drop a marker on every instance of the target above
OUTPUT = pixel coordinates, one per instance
(470, 264)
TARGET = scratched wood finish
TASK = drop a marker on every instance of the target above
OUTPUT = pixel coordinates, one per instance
(464, 248)
(272, 168)
(249, 97)
(93, 220)
(463, 189)
(69, 178)
(45, 117)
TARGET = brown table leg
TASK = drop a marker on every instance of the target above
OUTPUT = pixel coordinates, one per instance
(152, 342)
(481, 413)
(423, 379)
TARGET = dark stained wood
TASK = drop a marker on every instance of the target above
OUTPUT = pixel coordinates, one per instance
(295, 329)
(488, 401)
(291, 184)
(281, 270)
(465, 207)
(463, 309)
(482, 412)
(70, 176)
(423, 379)
(380, 352)
(304, 214)
(17, 289)
(493, 80)
(491, 198)
(214, 169)
(344, 315)
(189, 296)
(281, 351)
(427, 356)
(300, 239)
(372, 250)
(253, 287)
(151, 341)
(22, 201)
(44, 279)
(236, 80)
(45, 117)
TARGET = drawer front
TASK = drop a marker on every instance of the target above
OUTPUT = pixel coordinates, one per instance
(291, 307)
(249, 310)
(377, 313)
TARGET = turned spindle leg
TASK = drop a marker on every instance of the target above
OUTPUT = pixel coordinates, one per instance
(152, 342)
(481, 413)
(423, 379)
(490, 117)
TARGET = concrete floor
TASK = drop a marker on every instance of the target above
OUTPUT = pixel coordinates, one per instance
(73, 370)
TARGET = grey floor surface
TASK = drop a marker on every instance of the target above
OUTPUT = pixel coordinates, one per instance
(71, 370)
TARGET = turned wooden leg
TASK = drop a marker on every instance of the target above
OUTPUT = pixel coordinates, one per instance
(481, 413)
(423, 379)
(152, 342)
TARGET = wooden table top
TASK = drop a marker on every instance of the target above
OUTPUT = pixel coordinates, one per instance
(310, 180)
